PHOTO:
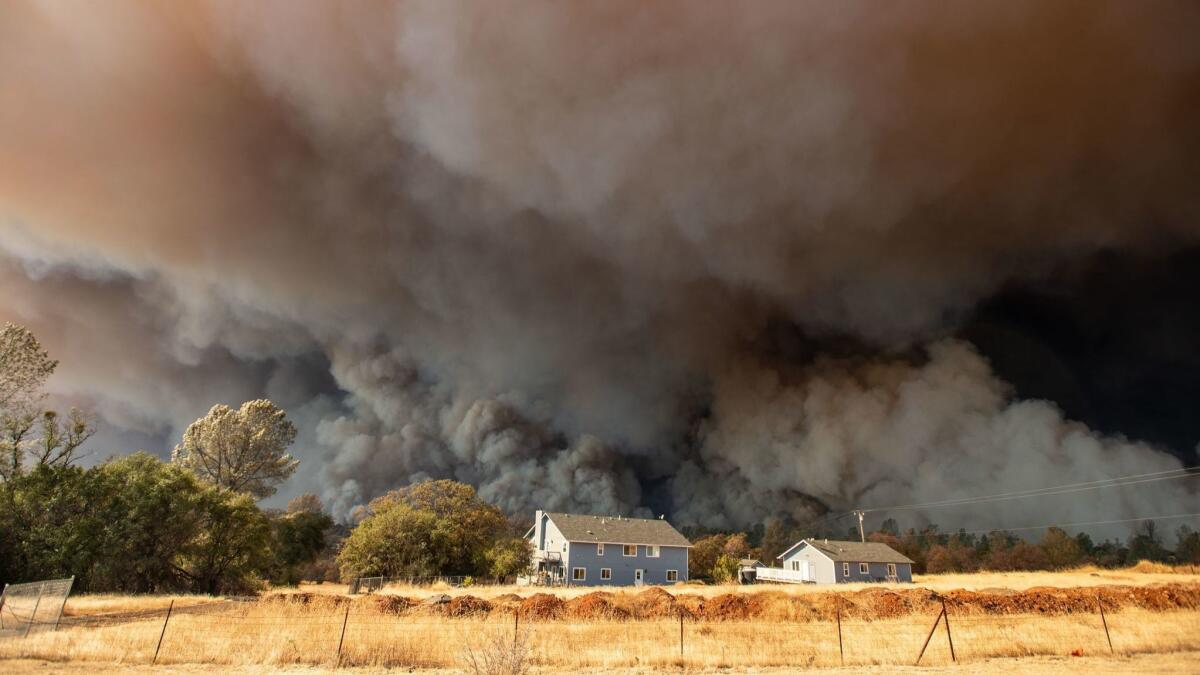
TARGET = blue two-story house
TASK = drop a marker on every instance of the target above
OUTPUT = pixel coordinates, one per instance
(575, 550)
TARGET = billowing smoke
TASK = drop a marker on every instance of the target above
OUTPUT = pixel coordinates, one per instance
(610, 257)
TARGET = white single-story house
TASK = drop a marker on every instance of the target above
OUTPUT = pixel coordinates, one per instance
(826, 561)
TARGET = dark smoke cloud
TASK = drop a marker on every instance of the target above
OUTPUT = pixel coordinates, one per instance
(544, 247)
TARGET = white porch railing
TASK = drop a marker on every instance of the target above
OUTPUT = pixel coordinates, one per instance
(781, 575)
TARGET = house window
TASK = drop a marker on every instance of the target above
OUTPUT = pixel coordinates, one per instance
(629, 550)
(564, 547)
(606, 573)
(864, 568)
(599, 549)
(891, 569)
(672, 575)
(795, 565)
(578, 574)
(845, 569)
(651, 551)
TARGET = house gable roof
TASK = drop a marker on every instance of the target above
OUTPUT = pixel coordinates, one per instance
(609, 530)
(852, 551)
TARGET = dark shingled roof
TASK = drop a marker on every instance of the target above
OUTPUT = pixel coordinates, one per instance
(611, 530)
(856, 551)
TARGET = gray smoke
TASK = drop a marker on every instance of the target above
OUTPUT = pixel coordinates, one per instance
(542, 247)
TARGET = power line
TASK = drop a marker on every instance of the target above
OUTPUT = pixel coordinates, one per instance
(1068, 488)
(1094, 522)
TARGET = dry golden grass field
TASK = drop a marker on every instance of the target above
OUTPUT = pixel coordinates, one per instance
(1049, 622)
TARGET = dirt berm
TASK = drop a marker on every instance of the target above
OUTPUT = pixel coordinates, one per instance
(779, 605)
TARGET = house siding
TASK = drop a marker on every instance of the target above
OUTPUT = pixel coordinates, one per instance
(822, 566)
(826, 571)
(876, 572)
(583, 554)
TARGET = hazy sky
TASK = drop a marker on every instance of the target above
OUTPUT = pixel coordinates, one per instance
(723, 261)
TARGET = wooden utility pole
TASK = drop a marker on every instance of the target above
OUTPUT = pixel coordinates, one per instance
(162, 633)
(861, 534)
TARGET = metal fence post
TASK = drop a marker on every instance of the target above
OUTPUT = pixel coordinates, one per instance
(516, 626)
(946, 618)
(33, 617)
(63, 605)
(841, 650)
(681, 631)
(1100, 604)
(930, 636)
(345, 620)
(170, 607)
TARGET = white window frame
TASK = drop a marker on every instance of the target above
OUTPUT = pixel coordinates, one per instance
(625, 550)
(864, 568)
(891, 567)
(600, 549)
(795, 565)
(578, 574)
(672, 573)
(652, 551)
(605, 573)
(845, 569)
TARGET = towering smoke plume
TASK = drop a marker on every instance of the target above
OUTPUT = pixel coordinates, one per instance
(611, 257)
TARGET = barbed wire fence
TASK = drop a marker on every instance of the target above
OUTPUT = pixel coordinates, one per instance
(236, 631)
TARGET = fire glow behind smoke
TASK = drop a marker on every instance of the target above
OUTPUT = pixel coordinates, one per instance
(548, 248)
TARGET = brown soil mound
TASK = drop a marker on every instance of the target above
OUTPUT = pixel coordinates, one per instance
(598, 605)
(655, 603)
(541, 606)
(467, 605)
(313, 601)
(730, 607)
(391, 604)
(506, 598)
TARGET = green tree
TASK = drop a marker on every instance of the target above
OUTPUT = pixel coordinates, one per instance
(725, 570)
(297, 539)
(232, 547)
(775, 542)
(736, 546)
(1187, 545)
(509, 557)
(1061, 549)
(151, 513)
(703, 556)
(395, 540)
(1146, 544)
(433, 528)
(243, 450)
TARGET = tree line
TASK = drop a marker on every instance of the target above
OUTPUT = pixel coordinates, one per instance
(137, 523)
(715, 555)
(141, 524)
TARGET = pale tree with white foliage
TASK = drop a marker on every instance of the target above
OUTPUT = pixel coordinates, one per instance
(243, 450)
(24, 368)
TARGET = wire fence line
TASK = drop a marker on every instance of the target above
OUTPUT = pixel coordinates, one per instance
(223, 633)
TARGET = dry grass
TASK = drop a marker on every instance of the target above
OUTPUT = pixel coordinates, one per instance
(281, 634)
(1143, 574)
(209, 632)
